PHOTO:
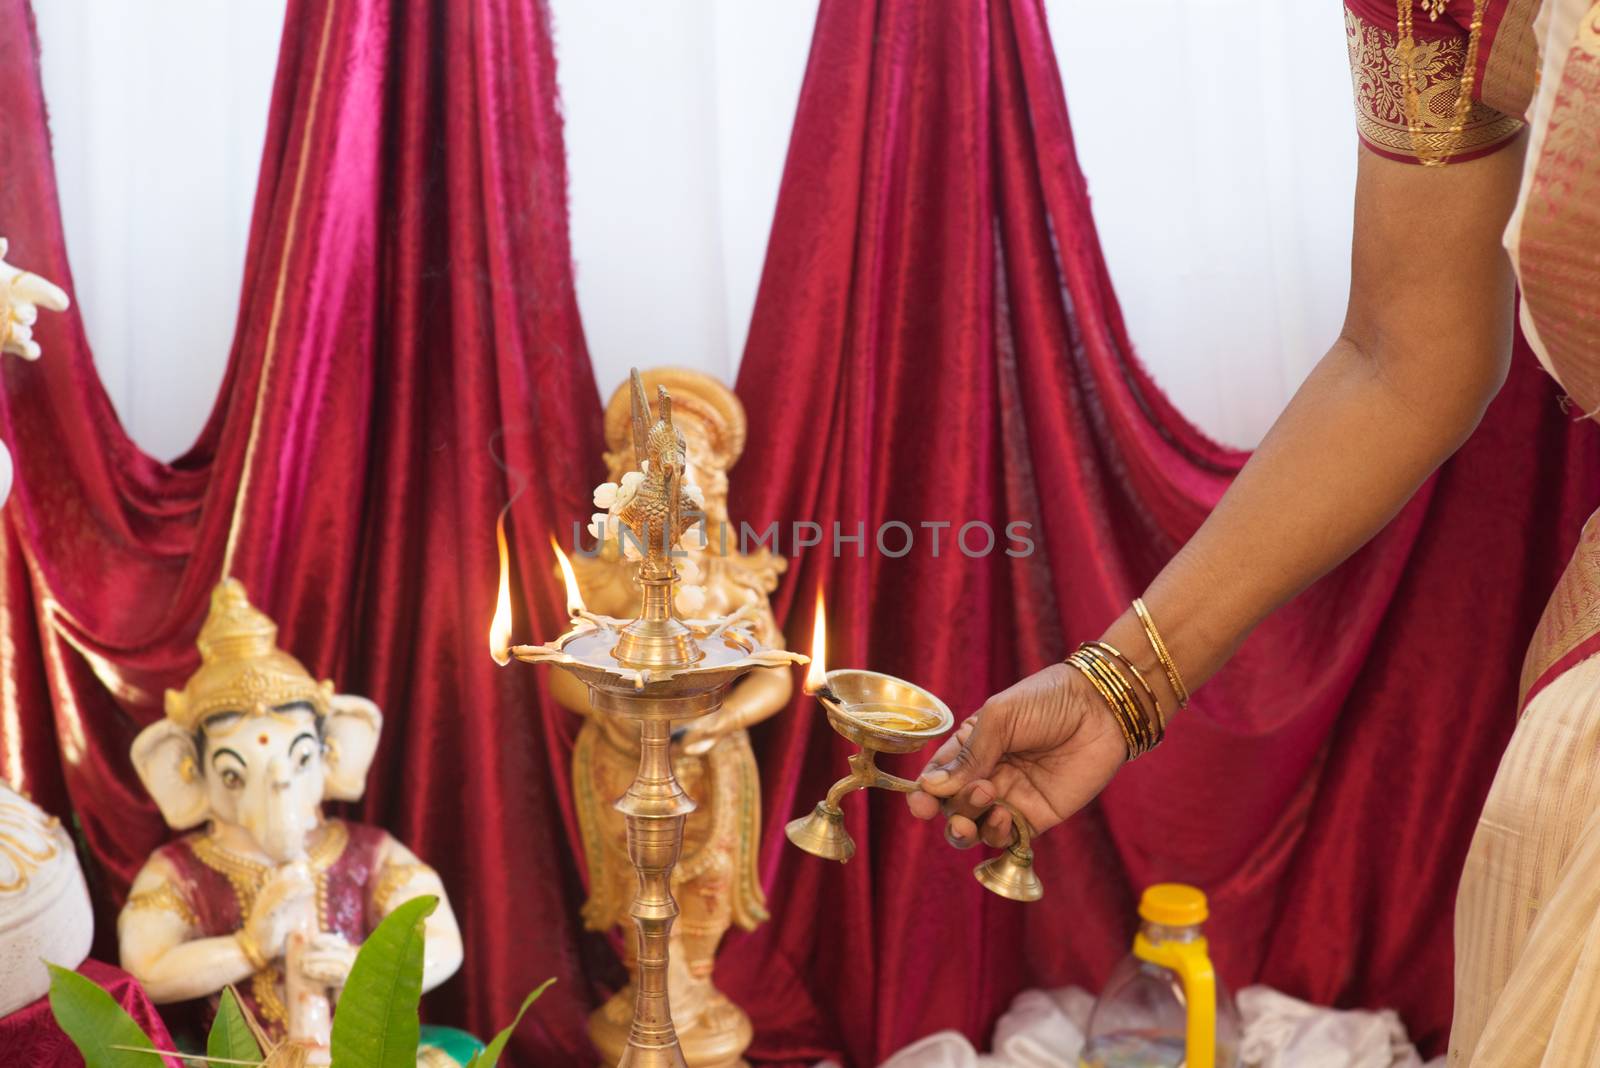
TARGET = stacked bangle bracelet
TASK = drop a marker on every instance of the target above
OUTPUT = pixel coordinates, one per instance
(1178, 689)
(1125, 690)
(1103, 666)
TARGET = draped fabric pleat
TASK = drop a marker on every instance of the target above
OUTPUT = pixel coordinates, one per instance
(407, 316)
(936, 340)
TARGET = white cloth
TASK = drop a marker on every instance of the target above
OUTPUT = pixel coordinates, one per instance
(1045, 1029)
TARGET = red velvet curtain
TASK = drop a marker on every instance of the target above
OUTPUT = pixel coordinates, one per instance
(936, 340)
(407, 312)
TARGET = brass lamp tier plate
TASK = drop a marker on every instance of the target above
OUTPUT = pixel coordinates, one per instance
(725, 653)
(881, 712)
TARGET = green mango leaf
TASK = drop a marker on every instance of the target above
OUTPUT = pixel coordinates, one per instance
(376, 1024)
(230, 1037)
(490, 1057)
(97, 1024)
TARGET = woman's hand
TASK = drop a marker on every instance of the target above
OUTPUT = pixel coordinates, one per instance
(1046, 746)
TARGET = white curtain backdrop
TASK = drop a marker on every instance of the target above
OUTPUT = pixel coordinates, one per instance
(1217, 136)
(158, 111)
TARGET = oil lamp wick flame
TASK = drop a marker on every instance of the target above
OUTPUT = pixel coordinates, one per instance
(500, 625)
(575, 605)
(816, 676)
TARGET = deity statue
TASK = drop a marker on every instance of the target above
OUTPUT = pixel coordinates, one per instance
(22, 294)
(269, 894)
(715, 881)
(44, 902)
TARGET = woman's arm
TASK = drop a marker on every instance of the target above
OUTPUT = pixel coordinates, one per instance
(1424, 348)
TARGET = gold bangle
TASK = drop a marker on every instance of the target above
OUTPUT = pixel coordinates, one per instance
(251, 950)
(1179, 691)
(1159, 725)
(1150, 720)
(1111, 704)
(1130, 700)
(1118, 695)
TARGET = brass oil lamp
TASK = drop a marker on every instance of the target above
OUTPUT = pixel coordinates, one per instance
(879, 713)
(660, 670)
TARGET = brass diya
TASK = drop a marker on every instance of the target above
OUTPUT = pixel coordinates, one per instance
(658, 669)
(879, 713)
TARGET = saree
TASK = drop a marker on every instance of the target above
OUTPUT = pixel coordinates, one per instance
(1527, 923)
(1528, 911)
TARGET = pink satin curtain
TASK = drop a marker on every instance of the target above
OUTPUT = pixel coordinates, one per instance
(936, 339)
(407, 313)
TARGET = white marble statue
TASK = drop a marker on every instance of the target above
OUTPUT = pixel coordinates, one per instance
(22, 294)
(267, 893)
(44, 904)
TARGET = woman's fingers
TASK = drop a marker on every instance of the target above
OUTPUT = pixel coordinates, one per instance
(966, 812)
(952, 745)
(923, 806)
(979, 747)
(973, 800)
(961, 832)
(997, 827)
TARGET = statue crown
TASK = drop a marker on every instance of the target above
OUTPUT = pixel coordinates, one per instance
(235, 628)
(241, 667)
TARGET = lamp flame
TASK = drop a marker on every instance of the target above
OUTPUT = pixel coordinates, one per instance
(816, 675)
(575, 605)
(500, 625)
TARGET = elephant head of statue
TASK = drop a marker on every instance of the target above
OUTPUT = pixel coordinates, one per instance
(252, 740)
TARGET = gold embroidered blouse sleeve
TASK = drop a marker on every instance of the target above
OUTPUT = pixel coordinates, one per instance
(1435, 116)
(155, 894)
(399, 877)
(163, 898)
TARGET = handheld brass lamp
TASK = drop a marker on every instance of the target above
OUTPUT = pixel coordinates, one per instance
(658, 669)
(882, 714)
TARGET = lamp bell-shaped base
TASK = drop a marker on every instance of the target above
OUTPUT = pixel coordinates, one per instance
(822, 834)
(1011, 875)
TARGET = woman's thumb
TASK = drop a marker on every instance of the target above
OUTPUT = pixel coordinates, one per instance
(974, 759)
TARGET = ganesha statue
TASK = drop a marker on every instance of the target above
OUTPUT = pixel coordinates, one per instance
(715, 881)
(264, 892)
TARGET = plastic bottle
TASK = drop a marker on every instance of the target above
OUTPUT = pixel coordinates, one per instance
(1163, 1006)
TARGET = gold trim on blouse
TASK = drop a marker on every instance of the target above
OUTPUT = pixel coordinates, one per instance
(1378, 78)
(393, 877)
(163, 898)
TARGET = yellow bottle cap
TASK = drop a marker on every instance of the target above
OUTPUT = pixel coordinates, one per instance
(1173, 905)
